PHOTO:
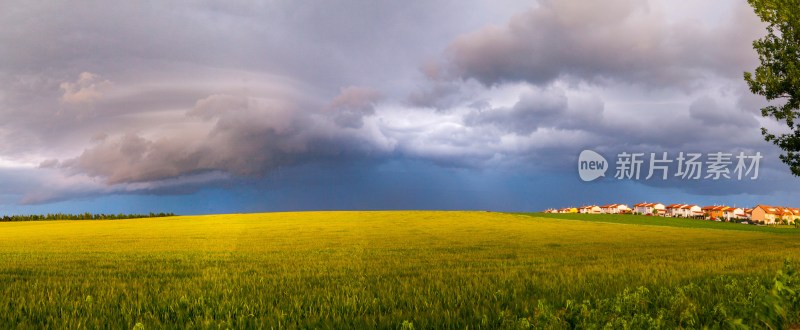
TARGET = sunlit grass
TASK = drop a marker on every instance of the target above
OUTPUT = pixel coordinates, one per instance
(669, 222)
(351, 269)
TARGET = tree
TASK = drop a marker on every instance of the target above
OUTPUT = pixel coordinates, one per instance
(778, 76)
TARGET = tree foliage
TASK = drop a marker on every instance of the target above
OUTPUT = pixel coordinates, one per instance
(778, 76)
(84, 216)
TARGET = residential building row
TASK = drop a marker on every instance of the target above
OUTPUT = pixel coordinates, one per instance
(765, 214)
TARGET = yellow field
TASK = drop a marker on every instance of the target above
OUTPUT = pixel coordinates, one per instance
(365, 269)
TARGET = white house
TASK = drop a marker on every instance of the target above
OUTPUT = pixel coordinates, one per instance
(684, 210)
(692, 211)
(614, 208)
(590, 209)
(674, 210)
(733, 213)
(649, 208)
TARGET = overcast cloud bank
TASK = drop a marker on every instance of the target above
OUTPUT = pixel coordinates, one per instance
(172, 98)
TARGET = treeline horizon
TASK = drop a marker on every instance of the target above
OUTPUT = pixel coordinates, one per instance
(82, 216)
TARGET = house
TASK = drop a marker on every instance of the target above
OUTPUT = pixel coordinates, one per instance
(649, 208)
(707, 210)
(714, 212)
(568, 210)
(787, 215)
(795, 213)
(683, 210)
(772, 214)
(589, 209)
(614, 208)
(641, 208)
(659, 209)
(691, 211)
(732, 213)
(766, 214)
(673, 210)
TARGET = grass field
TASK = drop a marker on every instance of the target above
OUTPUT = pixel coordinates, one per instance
(392, 270)
(631, 219)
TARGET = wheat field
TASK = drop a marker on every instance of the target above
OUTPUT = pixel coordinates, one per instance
(389, 269)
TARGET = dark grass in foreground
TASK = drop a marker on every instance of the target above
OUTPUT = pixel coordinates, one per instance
(665, 221)
(390, 270)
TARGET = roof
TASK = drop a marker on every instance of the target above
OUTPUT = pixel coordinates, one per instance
(681, 206)
(623, 206)
(777, 210)
(646, 204)
(715, 208)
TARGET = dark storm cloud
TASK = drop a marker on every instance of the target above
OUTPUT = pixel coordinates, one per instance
(540, 108)
(654, 82)
(533, 109)
(245, 137)
(167, 97)
(623, 41)
(352, 105)
(166, 56)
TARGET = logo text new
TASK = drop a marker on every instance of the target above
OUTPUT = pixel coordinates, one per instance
(593, 165)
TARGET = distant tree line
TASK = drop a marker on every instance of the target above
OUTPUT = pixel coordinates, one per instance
(83, 216)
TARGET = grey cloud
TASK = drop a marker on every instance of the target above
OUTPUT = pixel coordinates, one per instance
(441, 95)
(224, 91)
(38, 185)
(534, 109)
(245, 137)
(539, 128)
(86, 90)
(331, 44)
(49, 185)
(158, 53)
(132, 158)
(709, 112)
(238, 142)
(620, 40)
(352, 105)
(49, 163)
(548, 126)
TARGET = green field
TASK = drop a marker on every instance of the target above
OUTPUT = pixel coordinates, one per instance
(394, 270)
(667, 221)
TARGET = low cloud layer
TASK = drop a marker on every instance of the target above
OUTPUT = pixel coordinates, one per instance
(242, 136)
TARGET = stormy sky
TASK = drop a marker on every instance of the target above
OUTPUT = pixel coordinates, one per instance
(244, 106)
